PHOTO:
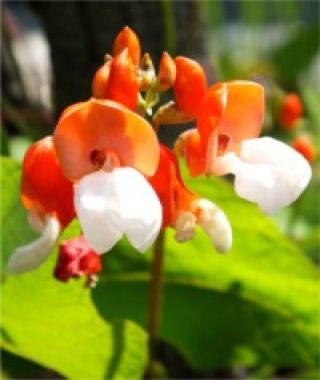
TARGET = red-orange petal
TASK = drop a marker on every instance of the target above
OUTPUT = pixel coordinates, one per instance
(195, 153)
(123, 86)
(128, 39)
(43, 186)
(167, 72)
(100, 81)
(163, 182)
(190, 85)
(101, 126)
(170, 188)
(235, 108)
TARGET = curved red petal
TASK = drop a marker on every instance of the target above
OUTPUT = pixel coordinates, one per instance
(234, 109)
(43, 186)
(170, 188)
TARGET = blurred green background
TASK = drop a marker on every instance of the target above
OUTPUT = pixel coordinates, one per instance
(253, 314)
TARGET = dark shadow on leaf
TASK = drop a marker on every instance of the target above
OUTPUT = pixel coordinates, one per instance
(215, 329)
(118, 348)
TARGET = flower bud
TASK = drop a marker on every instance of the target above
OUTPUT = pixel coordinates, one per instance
(76, 258)
(291, 110)
(305, 146)
(167, 72)
(128, 39)
(100, 81)
(123, 82)
(190, 86)
(146, 72)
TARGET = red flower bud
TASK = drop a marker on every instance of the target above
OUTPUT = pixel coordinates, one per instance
(167, 72)
(128, 39)
(100, 81)
(305, 146)
(123, 84)
(291, 110)
(76, 258)
(190, 86)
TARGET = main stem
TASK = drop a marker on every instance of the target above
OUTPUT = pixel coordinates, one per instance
(155, 295)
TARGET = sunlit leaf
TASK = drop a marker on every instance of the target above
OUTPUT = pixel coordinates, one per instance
(56, 324)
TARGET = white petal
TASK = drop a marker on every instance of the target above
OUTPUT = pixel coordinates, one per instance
(31, 256)
(37, 223)
(141, 208)
(97, 206)
(215, 223)
(110, 204)
(267, 172)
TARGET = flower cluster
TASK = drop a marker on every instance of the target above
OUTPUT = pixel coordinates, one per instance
(105, 165)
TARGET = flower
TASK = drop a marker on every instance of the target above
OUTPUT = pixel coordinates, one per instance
(183, 209)
(95, 168)
(229, 122)
(105, 165)
(48, 196)
(107, 151)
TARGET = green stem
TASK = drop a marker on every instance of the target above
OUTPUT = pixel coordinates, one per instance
(155, 297)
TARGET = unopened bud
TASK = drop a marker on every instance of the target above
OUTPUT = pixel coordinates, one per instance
(123, 82)
(77, 258)
(305, 146)
(185, 226)
(146, 73)
(215, 223)
(291, 110)
(100, 81)
(190, 86)
(128, 39)
(167, 72)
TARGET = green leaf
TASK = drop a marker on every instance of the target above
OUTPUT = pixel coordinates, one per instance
(256, 305)
(56, 324)
(295, 55)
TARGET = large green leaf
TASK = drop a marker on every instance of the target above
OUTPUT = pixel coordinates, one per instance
(56, 324)
(258, 304)
(295, 55)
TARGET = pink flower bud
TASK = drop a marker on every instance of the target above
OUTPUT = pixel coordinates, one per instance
(76, 258)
